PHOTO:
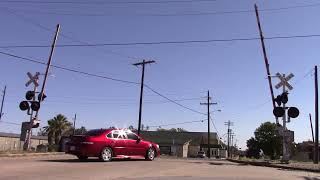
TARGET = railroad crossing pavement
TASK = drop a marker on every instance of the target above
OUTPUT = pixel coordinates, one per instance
(68, 167)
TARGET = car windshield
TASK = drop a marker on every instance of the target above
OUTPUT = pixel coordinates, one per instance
(95, 132)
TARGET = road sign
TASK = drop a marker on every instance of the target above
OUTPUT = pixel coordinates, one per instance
(284, 81)
(33, 79)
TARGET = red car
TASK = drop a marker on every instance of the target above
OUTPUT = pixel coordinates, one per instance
(111, 143)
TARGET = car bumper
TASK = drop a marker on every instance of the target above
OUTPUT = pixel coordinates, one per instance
(81, 150)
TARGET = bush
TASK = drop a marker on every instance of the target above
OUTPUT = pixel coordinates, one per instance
(53, 148)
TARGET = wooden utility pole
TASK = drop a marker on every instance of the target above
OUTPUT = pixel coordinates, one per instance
(26, 145)
(3, 96)
(266, 61)
(316, 144)
(232, 147)
(229, 123)
(310, 118)
(48, 66)
(143, 63)
(208, 103)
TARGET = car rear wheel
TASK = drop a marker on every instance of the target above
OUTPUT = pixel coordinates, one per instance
(82, 157)
(106, 154)
(150, 155)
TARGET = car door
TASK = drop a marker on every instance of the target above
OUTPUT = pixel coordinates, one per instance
(118, 143)
(134, 145)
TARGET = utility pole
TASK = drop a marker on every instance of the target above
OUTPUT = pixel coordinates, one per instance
(311, 127)
(228, 123)
(48, 66)
(265, 58)
(232, 147)
(26, 145)
(208, 103)
(3, 96)
(74, 124)
(143, 63)
(285, 156)
(316, 144)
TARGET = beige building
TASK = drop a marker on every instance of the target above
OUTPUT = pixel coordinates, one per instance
(10, 141)
(185, 144)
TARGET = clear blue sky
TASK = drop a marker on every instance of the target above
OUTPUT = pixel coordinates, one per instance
(234, 72)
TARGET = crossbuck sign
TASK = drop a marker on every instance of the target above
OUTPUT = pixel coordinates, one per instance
(33, 79)
(284, 81)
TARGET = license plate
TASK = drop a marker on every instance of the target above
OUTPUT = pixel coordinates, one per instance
(72, 148)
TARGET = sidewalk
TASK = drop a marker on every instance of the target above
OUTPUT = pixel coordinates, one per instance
(27, 154)
(302, 166)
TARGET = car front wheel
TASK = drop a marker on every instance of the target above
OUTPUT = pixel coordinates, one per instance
(150, 154)
(106, 154)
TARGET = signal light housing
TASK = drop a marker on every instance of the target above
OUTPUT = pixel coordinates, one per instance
(35, 105)
(293, 112)
(24, 105)
(30, 95)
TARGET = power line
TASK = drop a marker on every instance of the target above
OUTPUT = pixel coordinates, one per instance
(103, 77)
(69, 69)
(185, 107)
(6, 122)
(61, 34)
(186, 122)
(105, 2)
(163, 42)
(214, 126)
(178, 14)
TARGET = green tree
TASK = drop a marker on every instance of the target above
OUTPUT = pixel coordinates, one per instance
(79, 131)
(56, 127)
(172, 129)
(267, 140)
(253, 148)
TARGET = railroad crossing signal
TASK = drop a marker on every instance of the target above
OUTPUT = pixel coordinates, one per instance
(33, 79)
(284, 81)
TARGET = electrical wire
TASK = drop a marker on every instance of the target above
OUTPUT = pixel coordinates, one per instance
(179, 14)
(103, 77)
(12, 123)
(34, 23)
(163, 42)
(183, 106)
(186, 122)
(69, 69)
(104, 2)
(214, 126)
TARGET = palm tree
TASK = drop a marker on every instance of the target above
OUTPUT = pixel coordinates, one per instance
(56, 127)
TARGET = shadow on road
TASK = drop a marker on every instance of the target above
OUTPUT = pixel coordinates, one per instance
(89, 160)
(219, 163)
(310, 178)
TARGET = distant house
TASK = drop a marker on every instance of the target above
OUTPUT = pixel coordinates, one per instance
(185, 144)
(11, 141)
(304, 151)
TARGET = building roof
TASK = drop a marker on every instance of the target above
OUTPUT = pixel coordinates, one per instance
(179, 138)
(13, 135)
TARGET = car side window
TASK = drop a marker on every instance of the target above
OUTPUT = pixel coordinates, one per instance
(116, 134)
(132, 136)
(110, 135)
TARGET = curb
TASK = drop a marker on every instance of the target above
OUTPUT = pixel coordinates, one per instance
(31, 154)
(267, 164)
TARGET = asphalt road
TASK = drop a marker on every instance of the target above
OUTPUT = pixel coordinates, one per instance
(68, 167)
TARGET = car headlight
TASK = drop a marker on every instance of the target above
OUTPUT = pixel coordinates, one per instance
(157, 146)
